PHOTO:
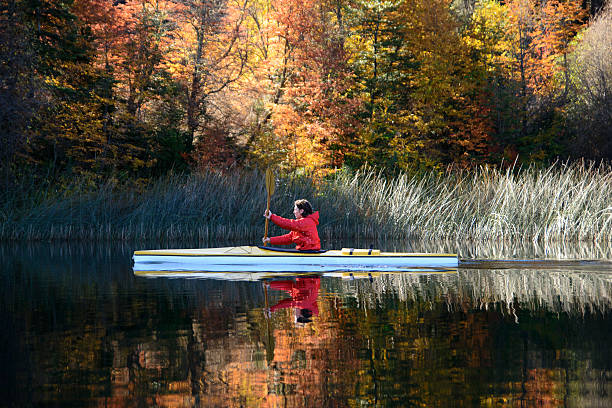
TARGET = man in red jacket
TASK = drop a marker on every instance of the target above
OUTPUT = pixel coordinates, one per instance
(303, 229)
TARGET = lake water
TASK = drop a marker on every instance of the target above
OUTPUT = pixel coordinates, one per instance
(77, 328)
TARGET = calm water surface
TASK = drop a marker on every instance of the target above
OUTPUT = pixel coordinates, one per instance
(77, 328)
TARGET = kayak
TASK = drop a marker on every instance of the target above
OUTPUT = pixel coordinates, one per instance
(269, 259)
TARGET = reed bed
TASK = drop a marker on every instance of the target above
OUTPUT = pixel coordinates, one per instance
(560, 203)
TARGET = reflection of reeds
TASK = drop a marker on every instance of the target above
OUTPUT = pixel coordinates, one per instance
(560, 203)
(554, 291)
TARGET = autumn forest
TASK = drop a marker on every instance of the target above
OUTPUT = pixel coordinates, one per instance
(481, 128)
(136, 88)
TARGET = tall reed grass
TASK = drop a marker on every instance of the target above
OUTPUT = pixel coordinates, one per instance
(558, 203)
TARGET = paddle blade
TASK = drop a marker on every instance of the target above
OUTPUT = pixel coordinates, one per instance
(269, 182)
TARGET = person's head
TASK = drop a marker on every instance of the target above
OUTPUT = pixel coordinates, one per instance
(302, 208)
(304, 316)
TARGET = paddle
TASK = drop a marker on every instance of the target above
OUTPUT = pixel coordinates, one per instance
(270, 189)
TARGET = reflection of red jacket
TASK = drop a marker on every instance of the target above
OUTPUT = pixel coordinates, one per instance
(303, 232)
(303, 291)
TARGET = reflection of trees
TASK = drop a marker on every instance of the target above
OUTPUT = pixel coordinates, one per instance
(545, 329)
(421, 350)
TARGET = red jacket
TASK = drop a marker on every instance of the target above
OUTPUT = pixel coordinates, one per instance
(303, 232)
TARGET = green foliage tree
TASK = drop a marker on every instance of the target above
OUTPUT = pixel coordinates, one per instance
(18, 87)
(382, 64)
(64, 132)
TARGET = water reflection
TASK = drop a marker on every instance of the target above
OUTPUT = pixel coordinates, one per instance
(556, 291)
(78, 328)
(303, 292)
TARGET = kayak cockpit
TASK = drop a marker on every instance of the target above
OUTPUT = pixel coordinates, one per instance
(293, 250)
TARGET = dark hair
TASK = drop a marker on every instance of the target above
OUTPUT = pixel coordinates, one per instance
(304, 205)
(305, 316)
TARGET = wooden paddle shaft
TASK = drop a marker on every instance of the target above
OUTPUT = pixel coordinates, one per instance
(270, 189)
(267, 220)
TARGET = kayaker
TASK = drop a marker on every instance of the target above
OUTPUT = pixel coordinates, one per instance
(303, 229)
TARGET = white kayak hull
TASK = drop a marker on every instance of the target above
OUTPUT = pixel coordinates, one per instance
(257, 259)
(256, 276)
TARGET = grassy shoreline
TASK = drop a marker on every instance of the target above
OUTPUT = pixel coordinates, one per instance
(558, 203)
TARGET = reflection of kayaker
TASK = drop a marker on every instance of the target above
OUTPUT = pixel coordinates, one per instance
(304, 293)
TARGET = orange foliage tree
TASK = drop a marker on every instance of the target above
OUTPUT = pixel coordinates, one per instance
(309, 112)
(209, 54)
(560, 21)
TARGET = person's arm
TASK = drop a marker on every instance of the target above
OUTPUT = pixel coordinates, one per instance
(293, 225)
(283, 304)
(286, 285)
(281, 239)
(278, 240)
